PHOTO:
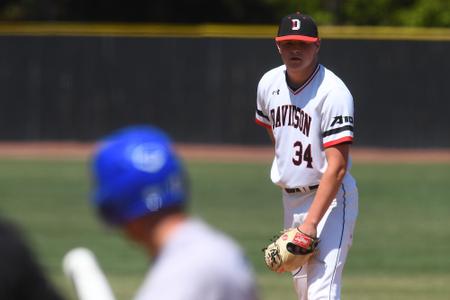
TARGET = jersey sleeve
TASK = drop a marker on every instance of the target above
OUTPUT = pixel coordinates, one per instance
(262, 113)
(337, 118)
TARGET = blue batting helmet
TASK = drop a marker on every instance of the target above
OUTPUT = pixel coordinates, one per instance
(136, 172)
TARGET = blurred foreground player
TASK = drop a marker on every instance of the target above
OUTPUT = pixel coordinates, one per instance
(21, 276)
(141, 187)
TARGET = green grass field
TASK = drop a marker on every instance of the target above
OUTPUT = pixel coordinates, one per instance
(401, 247)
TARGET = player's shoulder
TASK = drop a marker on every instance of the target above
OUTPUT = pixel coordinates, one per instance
(197, 232)
(332, 79)
(332, 83)
(219, 251)
(274, 72)
(271, 75)
(218, 242)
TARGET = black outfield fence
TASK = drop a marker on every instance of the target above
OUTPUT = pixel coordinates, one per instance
(203, 90)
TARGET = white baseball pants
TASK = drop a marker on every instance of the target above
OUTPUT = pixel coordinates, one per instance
(321, 277)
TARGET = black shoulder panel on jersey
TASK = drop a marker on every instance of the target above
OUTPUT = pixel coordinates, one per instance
(337, 130)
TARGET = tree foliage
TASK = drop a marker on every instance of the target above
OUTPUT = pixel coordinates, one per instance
(425, 13)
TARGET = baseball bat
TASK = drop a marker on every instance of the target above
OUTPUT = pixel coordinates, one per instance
(86, 275)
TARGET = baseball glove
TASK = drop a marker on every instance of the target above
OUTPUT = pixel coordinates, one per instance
(289, 251)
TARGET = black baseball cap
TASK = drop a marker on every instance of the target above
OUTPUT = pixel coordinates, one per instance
(297, 27)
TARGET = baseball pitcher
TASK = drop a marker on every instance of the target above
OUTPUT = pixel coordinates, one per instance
(308, 113)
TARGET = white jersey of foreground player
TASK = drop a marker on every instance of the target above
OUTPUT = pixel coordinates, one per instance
(199, 263)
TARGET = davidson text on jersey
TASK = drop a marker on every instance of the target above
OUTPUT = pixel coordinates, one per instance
(291, 115)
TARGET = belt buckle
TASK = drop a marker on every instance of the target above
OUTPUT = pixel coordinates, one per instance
(305, 189)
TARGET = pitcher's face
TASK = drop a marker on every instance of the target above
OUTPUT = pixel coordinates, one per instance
(298, 54)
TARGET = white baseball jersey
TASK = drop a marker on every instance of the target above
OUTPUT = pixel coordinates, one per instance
(199, 263)
(317, 115)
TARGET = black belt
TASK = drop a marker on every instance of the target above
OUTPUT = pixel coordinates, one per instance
(304, 189)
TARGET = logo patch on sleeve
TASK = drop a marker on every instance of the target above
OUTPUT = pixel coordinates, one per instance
(342, 120)
(302, 240)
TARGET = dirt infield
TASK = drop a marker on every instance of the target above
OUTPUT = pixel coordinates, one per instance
(223, 153)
